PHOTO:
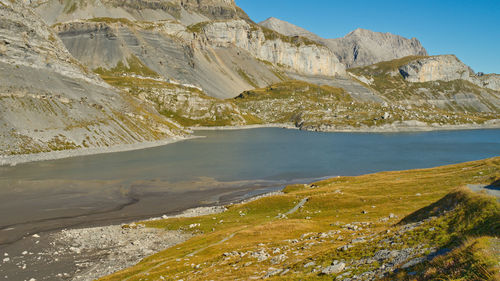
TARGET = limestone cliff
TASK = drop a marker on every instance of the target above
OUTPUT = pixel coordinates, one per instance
(303, 57)
(50, 102)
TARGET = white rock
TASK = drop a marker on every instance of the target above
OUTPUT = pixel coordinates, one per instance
(334, 269)
(309, 264)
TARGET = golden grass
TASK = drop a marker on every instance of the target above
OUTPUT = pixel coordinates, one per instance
(333, 202)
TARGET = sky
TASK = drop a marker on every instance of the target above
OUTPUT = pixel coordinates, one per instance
(468, 29)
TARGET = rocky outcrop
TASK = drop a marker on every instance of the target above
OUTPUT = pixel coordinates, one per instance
(361, 47)
(446, 68)
(490, 81)
(50, 102)
(191, 108)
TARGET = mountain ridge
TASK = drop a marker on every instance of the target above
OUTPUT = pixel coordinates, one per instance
(359, 47)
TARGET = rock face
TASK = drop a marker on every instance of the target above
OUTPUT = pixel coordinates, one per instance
(446, 68)
(361, 47)
(50, 102)
(308, 58)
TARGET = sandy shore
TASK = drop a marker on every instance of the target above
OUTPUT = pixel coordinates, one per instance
(53, 155)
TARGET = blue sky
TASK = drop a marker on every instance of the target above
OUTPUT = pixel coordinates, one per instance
(468, 29)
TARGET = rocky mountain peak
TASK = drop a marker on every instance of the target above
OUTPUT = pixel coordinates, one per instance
(359, 47)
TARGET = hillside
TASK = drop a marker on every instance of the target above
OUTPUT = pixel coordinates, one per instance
(345, 228)
(51, 102)
(212, 44)
(404, 105)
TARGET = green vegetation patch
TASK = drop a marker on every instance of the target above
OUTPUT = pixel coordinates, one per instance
(110, 20)
(134, 66)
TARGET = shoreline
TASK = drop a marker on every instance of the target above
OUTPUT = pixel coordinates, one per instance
(413, 129)
(13, 160)
(388, 128)
(245, 127)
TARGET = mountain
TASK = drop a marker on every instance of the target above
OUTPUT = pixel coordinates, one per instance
(109, 72)
(360, 47)
(49, 101)
(185, 11)
(210, 43)
(363, 47)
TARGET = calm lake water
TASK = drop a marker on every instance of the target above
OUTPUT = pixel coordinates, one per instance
(271, 154)
(234, 164)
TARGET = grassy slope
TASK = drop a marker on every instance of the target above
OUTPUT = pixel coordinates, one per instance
(332, 203)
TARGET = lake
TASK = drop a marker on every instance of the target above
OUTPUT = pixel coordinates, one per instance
(222, 167)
